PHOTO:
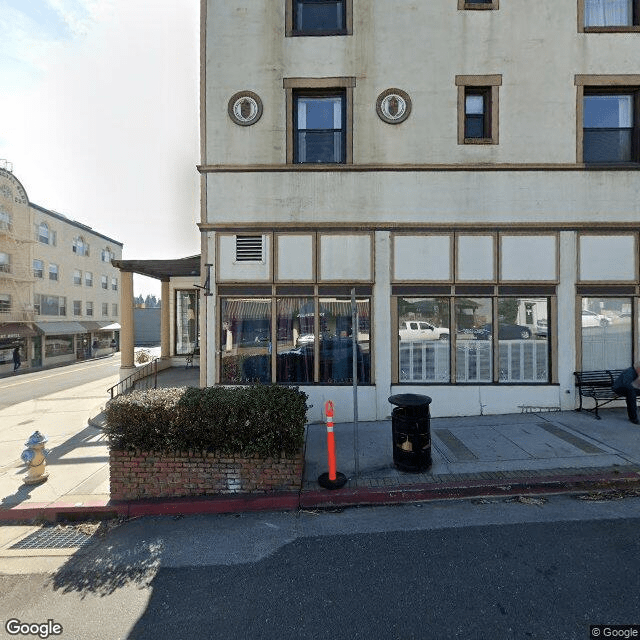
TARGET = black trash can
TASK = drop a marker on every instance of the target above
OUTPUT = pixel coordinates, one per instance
(411, 429)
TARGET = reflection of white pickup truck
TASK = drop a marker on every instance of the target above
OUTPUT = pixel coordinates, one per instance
(412, 330)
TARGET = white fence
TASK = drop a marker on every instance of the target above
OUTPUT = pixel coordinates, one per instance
(522, 361)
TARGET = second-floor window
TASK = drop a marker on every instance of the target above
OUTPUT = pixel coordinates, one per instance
(105, 309)
(38, 269)
(5, 220)
(114, 284)
(77, 307)
(5, 262)
(53, 272)
(611, 13)
(610, 126)
(5, 303)
(88, 279)
(77, 276)
(89, 308)
(319, 127)
(104, 282)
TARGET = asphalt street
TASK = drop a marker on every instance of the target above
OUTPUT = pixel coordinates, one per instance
(543, 568)
(27, 386)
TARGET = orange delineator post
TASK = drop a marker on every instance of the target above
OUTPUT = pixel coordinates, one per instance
(334, 479)
(331, 441)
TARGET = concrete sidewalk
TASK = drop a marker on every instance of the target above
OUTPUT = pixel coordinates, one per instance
(472, 456)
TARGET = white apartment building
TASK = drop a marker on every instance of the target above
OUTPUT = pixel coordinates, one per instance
(59, 292)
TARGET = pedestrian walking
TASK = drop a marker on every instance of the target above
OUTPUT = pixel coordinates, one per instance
(16, 359)
(94, 348)
(113, 345)
(627, 384)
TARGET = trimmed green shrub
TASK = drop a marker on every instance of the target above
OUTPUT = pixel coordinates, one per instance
(261, 420)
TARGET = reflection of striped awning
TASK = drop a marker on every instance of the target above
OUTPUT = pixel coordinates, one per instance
(261, 308)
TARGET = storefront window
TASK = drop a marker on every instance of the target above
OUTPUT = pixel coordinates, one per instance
(295, 339)
(245, 340)
(523, 339)
(424, 336)
(58, 346)
(606, 333)
(336, 341)
(187, 315)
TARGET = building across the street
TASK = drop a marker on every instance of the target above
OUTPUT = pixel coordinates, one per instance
(469, 169)
(59, 292)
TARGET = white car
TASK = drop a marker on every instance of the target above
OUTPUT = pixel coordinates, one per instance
(591, 319)
(412, 330)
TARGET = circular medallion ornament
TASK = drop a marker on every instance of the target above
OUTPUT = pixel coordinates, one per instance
(245, 108)
(393, 106)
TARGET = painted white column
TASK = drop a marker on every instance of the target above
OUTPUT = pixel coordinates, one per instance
(566, 328)
(381, 323)
(126, 319)
(165, 321)
(208, 319)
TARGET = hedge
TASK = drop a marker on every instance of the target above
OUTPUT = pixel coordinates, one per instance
(260, 420)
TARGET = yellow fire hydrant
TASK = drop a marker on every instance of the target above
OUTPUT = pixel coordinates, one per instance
(35, 457)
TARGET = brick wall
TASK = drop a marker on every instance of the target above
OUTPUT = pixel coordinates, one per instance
(140, 474)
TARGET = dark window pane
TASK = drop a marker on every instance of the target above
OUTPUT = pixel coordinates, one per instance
(319, 146)
(474, 127)
(319, 16)
(607, 145)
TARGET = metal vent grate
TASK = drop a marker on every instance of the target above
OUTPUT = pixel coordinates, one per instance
(248, 248)
(53, 538)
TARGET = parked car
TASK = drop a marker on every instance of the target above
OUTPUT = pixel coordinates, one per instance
(592, 319)
(542, 328)
(505, 332)
(412, 330)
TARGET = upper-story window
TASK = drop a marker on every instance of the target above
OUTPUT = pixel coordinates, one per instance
(5, 262)
(77, 276)
(5, 303)
(80, 247)
(104, 281)
(107, 255)
(478, 109)
(88, 279)
(114, 284)
(43, 233)
(38, 269)
(319, 128)
(319, 17)
(610, 126)
(5, 220)
(616, 15)
(53, 272)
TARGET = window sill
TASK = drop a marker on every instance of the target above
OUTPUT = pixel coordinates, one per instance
(611, 166)
(479, 141)
(318, 34)
(621, 29)
(478, 7)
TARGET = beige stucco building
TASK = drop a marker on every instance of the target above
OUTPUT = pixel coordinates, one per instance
(459, 165)
(59, 292)
(463, 165)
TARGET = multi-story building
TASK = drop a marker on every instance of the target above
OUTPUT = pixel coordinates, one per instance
(464, 165)
(59, 292)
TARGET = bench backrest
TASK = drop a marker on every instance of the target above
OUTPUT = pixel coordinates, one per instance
(603, 378)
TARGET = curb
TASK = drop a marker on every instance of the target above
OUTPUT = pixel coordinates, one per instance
(319, 499)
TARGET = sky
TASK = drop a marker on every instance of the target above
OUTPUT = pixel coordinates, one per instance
(99, 117)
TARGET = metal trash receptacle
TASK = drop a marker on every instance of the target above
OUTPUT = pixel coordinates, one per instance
(411, 431)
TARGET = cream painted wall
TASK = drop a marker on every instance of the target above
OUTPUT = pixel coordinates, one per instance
(295, 257)
(231, 270)
(426, 257)
(537, 52)
(439, 197)
(608, 258)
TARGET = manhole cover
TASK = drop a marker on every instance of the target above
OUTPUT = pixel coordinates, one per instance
(53, 538)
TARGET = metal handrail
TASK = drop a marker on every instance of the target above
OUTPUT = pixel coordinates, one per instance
(149, 369)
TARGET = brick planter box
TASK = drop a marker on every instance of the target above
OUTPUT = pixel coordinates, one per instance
(137, 475)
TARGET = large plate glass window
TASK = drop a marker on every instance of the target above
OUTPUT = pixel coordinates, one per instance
(295, 339)
(424, 340)
(245, 340)
(474, 340)
(606, 333)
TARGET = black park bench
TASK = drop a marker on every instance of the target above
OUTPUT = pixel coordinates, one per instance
(597, 385)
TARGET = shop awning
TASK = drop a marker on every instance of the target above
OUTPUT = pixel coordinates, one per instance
(17, 330)
(113, 326)
(96, 325)
(60, 328)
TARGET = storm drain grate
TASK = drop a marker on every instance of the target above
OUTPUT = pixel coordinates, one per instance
(52, 538)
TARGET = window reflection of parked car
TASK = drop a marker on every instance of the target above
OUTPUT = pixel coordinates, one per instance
(505, 332)
(412, 330)
(542, 328)
(591, 319)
